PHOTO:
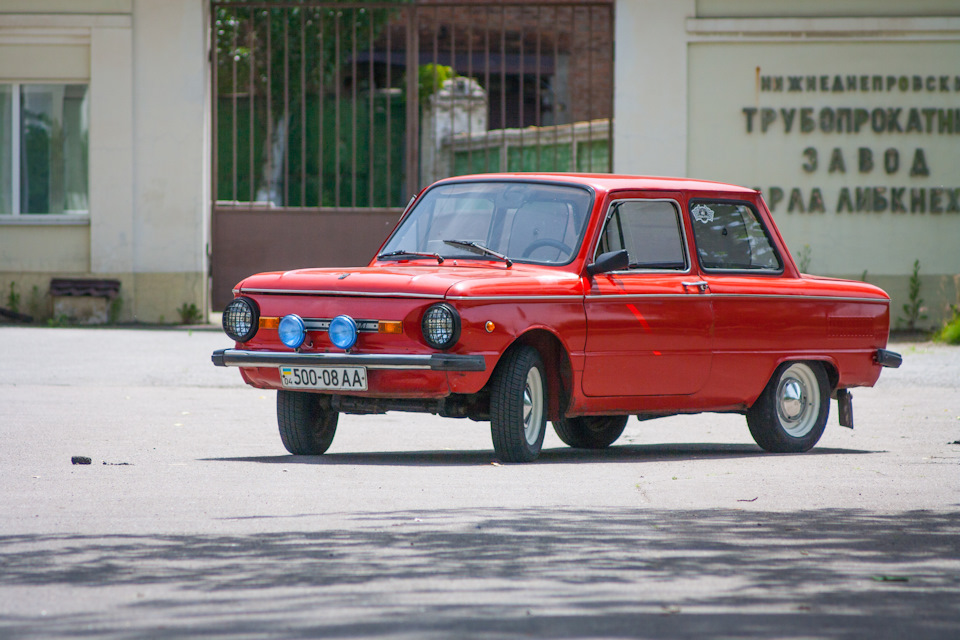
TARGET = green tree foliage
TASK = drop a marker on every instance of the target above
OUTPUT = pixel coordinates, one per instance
(308, 48)
(432, 77)
(286, 74)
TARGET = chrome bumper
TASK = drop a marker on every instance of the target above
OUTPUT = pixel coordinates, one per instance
(432, 362)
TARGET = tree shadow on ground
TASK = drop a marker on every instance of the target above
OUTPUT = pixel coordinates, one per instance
(507, 573)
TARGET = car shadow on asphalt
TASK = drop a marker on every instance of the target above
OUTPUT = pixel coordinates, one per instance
(615, 454)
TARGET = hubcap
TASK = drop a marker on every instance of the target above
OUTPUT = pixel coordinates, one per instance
(798, 400)
(791, 401)
(532, 406)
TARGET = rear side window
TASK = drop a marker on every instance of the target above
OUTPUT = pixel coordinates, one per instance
(730, 236)
(650, 232)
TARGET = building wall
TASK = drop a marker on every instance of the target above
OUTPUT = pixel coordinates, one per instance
(845, 114)
(146, 65)
(688, 72)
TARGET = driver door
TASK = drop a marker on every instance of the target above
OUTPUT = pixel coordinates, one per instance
(649, 327)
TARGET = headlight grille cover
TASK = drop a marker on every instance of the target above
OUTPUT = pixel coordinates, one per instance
(241, 319)
(441, 326)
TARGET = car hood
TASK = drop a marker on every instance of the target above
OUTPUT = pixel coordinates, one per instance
(418, 281)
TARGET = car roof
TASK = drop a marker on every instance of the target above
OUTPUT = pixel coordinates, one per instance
(611, 181)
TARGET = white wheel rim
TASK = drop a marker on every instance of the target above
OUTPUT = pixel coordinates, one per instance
(532, 406)
(798, 400)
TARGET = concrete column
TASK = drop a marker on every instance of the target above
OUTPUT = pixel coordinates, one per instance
(650, 101)
(111, 151)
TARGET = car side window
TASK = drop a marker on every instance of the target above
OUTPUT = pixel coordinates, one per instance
(649, 230)
(730, 236)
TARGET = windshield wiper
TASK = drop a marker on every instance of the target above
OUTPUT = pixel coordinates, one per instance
(476, 247)
(400, 253)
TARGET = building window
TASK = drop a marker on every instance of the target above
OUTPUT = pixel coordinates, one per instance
(43, 148)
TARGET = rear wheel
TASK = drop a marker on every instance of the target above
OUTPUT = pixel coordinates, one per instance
(590, 432)
(307, 426)
(518, 406)
(791, 413)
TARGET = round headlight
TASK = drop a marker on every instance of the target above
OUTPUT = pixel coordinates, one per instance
(343, 331)
(241, 319)
(292, 331)
(441, 326)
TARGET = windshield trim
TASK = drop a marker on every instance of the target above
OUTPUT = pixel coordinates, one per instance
(506, 179)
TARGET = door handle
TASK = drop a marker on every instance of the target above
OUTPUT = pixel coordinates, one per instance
(700, 285)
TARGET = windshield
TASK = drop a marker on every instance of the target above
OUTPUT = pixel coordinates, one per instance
(518, 221)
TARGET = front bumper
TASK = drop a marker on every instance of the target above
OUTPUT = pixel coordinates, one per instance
(430, 362)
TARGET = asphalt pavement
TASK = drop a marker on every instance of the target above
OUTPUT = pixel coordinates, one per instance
(191, 519)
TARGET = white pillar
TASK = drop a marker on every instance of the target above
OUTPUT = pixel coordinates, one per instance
(650, 75)
(460, 106)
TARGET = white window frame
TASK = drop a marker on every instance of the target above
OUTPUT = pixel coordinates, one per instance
(15, 149)
(16, 216)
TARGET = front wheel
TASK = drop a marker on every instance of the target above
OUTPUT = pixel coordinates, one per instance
(590, 432)
(518, 406)
(307, 426)
(791, 413)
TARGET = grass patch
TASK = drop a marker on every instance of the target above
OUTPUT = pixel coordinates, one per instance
(950, 332)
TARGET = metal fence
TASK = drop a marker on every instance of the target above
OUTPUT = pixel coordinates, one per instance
(318, 103)
(321, 107)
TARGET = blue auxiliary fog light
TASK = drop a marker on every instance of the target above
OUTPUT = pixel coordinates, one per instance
(343, 332)
(292, 331)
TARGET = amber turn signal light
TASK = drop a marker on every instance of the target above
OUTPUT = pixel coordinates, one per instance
(390, 326)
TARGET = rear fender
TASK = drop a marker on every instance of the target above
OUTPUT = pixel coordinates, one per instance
(829, 366)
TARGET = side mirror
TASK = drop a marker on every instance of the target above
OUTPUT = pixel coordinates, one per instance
(610, 261)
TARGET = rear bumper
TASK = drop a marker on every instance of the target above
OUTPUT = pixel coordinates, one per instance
(429, 362)
(887, 358)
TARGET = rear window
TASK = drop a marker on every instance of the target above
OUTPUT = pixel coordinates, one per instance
(731, 236)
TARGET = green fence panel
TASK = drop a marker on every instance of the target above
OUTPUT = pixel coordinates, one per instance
(303, 182)
(593, 157)
(476, 161)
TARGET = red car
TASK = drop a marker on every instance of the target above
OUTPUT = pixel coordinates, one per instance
(578, 299)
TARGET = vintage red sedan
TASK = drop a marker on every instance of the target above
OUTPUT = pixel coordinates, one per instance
(578, 299)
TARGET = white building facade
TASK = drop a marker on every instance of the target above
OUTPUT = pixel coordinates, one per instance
(104, 151)
(845, 113)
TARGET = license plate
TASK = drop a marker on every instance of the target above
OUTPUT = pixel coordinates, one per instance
(339, 378)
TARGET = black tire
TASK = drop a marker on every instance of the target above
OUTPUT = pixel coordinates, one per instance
(590, 432)
(791, 413)
(518, 405)
(306, 426)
